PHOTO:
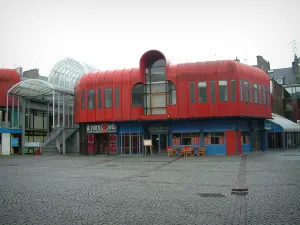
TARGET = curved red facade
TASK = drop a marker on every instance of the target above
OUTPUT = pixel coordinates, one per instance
(8, 78)
(241, 81)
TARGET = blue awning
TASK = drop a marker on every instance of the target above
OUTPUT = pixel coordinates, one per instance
(287, 125)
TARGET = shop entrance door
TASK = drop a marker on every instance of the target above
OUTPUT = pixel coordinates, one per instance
(102, 143)
(257, 141)
(159, 143)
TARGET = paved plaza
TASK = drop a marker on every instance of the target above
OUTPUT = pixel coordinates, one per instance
(151, 190)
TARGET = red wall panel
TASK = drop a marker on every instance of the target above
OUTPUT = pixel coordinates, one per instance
(230, 143)
(8, 78)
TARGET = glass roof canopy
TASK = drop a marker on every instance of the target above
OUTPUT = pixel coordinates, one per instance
(62, 78)
(68, 71)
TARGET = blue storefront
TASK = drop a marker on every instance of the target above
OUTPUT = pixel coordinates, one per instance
(221, 137)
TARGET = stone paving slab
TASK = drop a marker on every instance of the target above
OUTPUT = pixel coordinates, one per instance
(150, 190)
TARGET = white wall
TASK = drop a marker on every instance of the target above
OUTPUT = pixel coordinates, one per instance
(5, 144)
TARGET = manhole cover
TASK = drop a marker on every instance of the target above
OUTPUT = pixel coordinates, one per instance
(112, 165)
(211, 195)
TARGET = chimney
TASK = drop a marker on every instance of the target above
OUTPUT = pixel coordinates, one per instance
(263, 64)
(296, 65)
(236, 59)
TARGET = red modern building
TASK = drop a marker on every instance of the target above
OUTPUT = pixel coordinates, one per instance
(8, 78)
(219, 104)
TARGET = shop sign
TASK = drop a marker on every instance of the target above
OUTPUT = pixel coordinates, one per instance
(101, 128)
(158, 129)
(15, 142)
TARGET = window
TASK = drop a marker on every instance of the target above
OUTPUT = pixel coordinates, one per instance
(137, 95)
(212, 91)
(91, 99)
(202, 92)
(186, 139)
(280, 81)
(245, 138)
(82, 99)
(264, 95)
(117, 97)
(241, 90)
(246, 91)
(155, 90)
(214, 138)
(192, 93)
(255, 93)
(233, 90)
(223, 91)
(260, 94)
(171, 93)
(99, 98)
(268, 96)
(108, 97)
(250, 92)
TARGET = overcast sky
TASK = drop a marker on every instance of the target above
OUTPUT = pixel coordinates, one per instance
(113, 34)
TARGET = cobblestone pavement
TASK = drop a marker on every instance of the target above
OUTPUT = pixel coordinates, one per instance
(150, 190)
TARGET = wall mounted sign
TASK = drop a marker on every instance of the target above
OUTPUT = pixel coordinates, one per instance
(101, 128)
(15, 142)
(158, 129)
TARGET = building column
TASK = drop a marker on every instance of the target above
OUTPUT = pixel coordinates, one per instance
(58, 110)
(63, 125)
(53, 110)
(12, 112)
(23, 115)
(28, 114)
(72, 116)
(68, 111)
(6, 113)
(47, 124)
(18, 112)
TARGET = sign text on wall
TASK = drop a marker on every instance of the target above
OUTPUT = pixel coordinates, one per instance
(101, 128)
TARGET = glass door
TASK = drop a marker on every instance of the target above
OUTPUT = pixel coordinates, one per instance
(159, 143)
(155, 143)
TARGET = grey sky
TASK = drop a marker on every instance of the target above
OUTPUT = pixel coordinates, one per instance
(113, 34)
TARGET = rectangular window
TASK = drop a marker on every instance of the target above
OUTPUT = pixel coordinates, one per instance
(268, 96)
(202, 92)
(264, 95)
(192, 93)
(246, 91)
(233, 90)
(117, 97)
(241, 90)
(99, 98)
(250, 92)
(214, 138)
(260, 94)
(83, 99)
(108, 97)
(91, 99)
(255, 93)
(245, 137)
(212, 91)
(186, 139)
(223, 91)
